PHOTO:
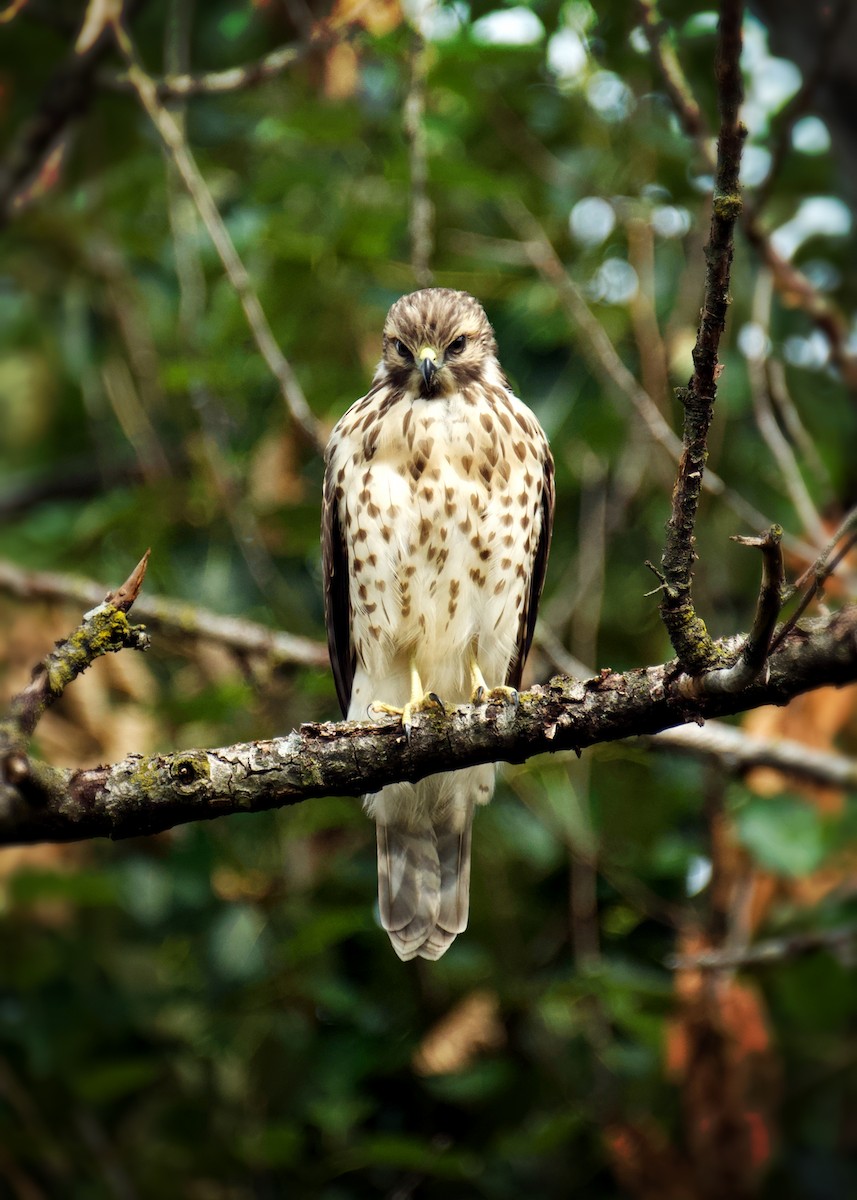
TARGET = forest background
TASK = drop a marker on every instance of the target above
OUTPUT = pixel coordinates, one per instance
(214, 1013)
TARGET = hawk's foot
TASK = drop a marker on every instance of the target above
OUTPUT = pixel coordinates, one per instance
(482, 694)
(413, 708)
(503, 694)
(420, 701)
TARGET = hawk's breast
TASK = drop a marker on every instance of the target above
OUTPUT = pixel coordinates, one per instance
(442, 516)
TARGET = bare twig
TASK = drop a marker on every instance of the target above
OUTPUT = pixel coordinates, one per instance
(420, 220)
(65, 98)
(228, 486)
(11, 11)
(604, 361)
(823, 566)
(183, 86)
(236, 272)
(842, 939)
(175, 618)
(686, 628)
(788, 280)
(794, 427)
(819, 572)
(831, 20)
(762, 403)
(654, 368)
(675, 82)
(754, 652)
(739, 752)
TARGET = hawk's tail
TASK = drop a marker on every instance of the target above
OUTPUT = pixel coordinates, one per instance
(424, 885)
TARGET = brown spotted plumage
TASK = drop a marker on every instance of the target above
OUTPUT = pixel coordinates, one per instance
(438, 508)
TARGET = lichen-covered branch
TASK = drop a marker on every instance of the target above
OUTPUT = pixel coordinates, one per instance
(103, 630)
(757, 645)
(144, 795)
(686, 628)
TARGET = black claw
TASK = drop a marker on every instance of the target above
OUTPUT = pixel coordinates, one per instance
(433, 696)
(479, 695)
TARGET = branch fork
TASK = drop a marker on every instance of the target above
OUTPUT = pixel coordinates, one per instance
(105, 629)
(756, 649)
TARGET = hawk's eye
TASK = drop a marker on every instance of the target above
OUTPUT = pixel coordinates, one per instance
(402, 350)
(457, 346)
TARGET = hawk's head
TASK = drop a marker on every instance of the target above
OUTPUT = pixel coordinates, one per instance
(437, 341)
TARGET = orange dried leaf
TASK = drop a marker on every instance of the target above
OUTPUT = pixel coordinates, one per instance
(378, 18)
(472, 1027)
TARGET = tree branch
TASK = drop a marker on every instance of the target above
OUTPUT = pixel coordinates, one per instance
(687, 631)
(65, 98)
(420, 216)
(104, 630)
(176, 618)
(739, 752)
(841, 940)
(788, 280)
(217, 83)
(142, 795)
(178, 149)
(757, 645)
(606, 364)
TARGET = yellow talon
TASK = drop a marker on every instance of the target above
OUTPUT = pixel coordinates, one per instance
(480, 693)
(418, 702)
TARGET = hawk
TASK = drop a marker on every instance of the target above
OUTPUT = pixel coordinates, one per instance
(438, 509)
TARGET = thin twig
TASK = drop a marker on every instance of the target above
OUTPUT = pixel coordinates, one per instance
(10, 12)
(819, 572)
(183, 86)
(174, 618)
(236, 272)
(654, 366)
(821, 567)
(794, 427)
(686, 628)
(788, 280)
(756, 647)
(771, 950)
(604, 361)
(420, 218)
(831, 19)
(675, 82)
(64, 99)
(765, 420)
(738, 752)
(228, 486)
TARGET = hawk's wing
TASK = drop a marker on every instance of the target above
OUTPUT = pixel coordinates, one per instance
(537, 576)
(337, 607)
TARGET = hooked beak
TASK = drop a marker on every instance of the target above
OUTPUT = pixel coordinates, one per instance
(428, 365)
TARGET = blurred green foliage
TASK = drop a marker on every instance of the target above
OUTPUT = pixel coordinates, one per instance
(214, 1014)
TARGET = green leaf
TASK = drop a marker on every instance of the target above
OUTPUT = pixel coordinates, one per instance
(783, 833)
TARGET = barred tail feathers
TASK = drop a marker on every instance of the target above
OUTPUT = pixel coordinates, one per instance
(424, 839)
